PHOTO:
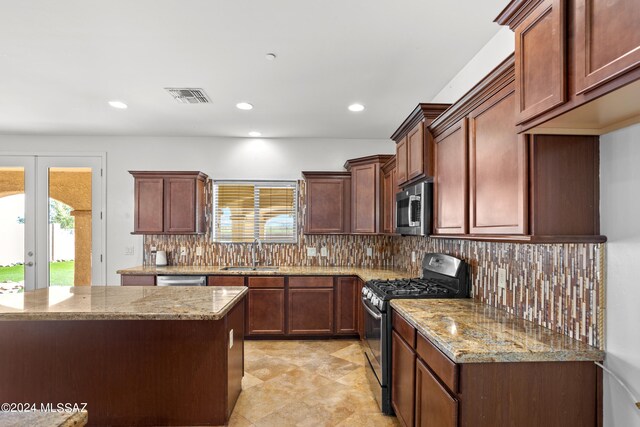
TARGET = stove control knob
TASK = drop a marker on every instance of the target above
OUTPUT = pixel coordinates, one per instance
(380, 304)
(375, 300)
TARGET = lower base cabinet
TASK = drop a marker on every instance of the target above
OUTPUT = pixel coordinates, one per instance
(311, 311)
(429, 390)
(265, 312)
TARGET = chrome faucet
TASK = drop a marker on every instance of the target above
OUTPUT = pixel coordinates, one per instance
(253, 251)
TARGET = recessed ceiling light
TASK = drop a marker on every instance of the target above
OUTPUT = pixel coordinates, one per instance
(270, 56)
(244, 106)
(356, 107)
(118, 104)
(255, 134)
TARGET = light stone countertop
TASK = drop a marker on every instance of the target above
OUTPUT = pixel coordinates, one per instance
(43, 419)
(471, 332)
(364, 273)
(122, 303)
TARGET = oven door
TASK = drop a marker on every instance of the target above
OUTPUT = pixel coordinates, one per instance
(374, 337)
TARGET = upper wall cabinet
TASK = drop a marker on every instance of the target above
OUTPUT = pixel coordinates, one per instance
(366, 193)
(414, 144)
(389, 190)
(492, 184)
(577, 64)
(169, 202)
(328, 202)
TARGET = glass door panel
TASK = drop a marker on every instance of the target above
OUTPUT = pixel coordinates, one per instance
(16, 224)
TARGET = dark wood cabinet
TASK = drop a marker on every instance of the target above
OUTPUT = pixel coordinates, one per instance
(402, 160)
(403, 374)
(366, 193)
(451, 181)
(169, 202)
(225, 280)
(577, 64)
(347, 300)
(494, 184)
(137, 280)
(435, 407)
(389, 190)
(607, 41)
(414, 144)
(430, 390)
(328, 202)
(497, 168)
(540, 60)
(310, 311)
(265, 311)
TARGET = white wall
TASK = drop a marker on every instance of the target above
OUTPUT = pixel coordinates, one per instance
(220, 158)
(493, 53)
(620, 222)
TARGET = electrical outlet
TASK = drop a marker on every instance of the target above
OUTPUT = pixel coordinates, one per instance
(369, 252)
(129, 250)
(413, 256)
(199, 251)
(154, 249)
(183, 251)
(323, 251)
(311, 251)
(502, 278)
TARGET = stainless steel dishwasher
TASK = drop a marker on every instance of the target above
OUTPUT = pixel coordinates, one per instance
(181, 281)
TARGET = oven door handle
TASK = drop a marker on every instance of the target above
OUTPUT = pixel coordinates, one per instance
(375, 315)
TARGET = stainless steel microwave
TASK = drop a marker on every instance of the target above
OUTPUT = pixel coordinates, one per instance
(414, 208)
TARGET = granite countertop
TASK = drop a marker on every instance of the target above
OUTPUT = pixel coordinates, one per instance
(122, 303)
(471, 332)
(43, 419)
(364, 273)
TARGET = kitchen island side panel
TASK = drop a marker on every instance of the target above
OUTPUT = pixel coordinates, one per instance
(128, 372)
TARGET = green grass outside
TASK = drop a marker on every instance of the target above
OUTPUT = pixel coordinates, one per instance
(61, 273)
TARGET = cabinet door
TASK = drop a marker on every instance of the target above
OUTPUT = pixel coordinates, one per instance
(435, 407)
(365, 193)
(149, 205)
(388, 201)
(328, 203)
(607, 41)
(180, 205)
(137, 280)
(402, 161)
(403, 375)
(450, 186)
(311, 311)
(265, 312)
(540, 60)
(347, 293)
(497, 168)
(360, 309)
(415, 143)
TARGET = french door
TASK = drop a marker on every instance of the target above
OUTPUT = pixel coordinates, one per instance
(51, 223)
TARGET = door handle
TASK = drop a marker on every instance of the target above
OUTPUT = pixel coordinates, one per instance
(29, 264)
(373, 314)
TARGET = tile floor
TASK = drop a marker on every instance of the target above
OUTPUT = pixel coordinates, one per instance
(306, 383)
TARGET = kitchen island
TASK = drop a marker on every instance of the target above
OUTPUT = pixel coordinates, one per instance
(133, 355)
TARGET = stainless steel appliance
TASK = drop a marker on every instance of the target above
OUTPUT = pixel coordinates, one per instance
(413, 209)
(181, 280)
(443, 276)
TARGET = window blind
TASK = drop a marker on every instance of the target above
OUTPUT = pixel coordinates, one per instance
(246, 210)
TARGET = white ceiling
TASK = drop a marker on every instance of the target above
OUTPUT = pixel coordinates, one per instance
(61, 61)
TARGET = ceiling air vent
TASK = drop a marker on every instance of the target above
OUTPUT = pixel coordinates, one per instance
(188, 95)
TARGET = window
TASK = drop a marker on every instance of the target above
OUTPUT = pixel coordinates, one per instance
(246, 210)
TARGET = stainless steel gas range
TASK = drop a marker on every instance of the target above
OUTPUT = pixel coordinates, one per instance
(443, 276)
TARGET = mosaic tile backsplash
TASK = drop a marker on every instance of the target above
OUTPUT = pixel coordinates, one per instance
(558, 286)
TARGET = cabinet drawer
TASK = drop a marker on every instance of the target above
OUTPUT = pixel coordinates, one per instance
(440, 364)
(266, 282)
(404, 329)
(311, 282)
(225, 281)
(137, 280)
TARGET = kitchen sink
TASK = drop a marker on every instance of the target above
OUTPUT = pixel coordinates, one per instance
(249, 268)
